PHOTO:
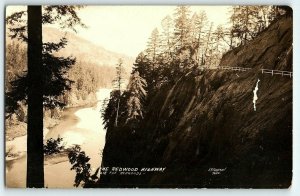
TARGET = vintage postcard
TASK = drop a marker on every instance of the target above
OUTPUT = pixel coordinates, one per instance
(185, 96)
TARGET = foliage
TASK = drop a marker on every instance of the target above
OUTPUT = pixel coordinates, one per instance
(103, 106)
(15, 63)
(137, 94)
(187, 42)
(55, 80)
(64, 16)
(182, 30)
(86, 77)
(110, 112)
(166, 37)
(153, 45)
(248, 21)
(143, 66)
(118, 82)
(87, 80)
(80, 163)
(45, 80)
(53, 146)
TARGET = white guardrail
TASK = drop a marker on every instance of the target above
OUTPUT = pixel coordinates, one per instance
(277, 72)
(263, 71)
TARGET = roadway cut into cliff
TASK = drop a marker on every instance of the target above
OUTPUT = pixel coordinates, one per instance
(204, 130)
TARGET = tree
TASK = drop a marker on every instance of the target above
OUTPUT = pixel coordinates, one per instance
(182, 29)
(15, 63)
(218, 46)
(207, 49)
(45, 79)
(53, 146)
(143, 65)
(153, 46)
(167, 44)
(248, 21)
(35, 152)
(199, 22)
(118, 81)
(80, 163)
(137, 94)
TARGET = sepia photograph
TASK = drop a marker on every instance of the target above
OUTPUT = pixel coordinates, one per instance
(148, 96)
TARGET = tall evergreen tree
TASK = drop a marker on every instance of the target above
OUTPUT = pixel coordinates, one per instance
(35, 152)
(118, 82)
(208, 49)
(182, 29)
(248, 21)
(144, 66)
(137, 94)
(45, 79)
(218, 46)
(199, 22)
(153, 46)
(167, 43)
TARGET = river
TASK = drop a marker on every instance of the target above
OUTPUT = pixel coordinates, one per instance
(82, 126)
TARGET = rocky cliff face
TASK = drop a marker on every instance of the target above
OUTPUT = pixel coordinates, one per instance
(272, 49)
(204, 128)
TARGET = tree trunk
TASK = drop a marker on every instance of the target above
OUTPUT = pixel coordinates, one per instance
(117, 115)
(35, 156)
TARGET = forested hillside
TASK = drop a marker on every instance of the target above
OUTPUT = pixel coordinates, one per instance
(94, 69)
(203, 124)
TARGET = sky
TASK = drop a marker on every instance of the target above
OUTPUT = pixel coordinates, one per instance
(126, 29)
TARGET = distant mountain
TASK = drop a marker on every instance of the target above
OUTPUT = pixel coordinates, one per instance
(87, 54)
(84, 50)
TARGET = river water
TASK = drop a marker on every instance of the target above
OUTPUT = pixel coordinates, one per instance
(82, 126)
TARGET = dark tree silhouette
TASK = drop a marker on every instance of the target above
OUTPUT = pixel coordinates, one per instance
(80, 163)
(53, 146)
(35, 153)
(45, 80)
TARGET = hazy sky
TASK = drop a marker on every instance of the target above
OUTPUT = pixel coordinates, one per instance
(126, 29)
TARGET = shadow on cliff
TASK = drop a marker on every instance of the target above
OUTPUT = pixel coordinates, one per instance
(206, 122)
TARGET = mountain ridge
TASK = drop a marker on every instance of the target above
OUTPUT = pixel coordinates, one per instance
(82, 49)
